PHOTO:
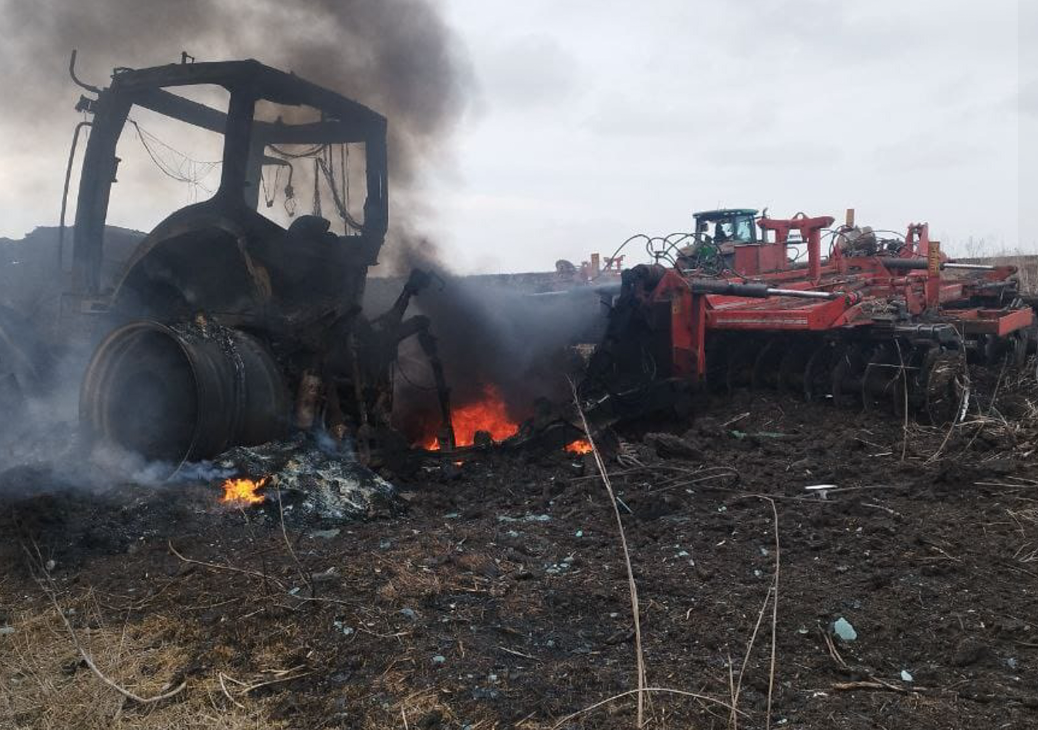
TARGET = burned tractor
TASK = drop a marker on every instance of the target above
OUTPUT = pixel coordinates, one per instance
(876, 321)
(226, 327)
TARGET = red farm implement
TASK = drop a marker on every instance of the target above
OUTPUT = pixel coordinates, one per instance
(875, 320)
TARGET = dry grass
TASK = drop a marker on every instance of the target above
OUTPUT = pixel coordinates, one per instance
(45, 685)
(413, 706)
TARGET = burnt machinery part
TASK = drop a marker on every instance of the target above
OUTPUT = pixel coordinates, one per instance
(179, 394)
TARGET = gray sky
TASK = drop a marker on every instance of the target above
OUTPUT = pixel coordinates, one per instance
(601, 119)
(594, 120)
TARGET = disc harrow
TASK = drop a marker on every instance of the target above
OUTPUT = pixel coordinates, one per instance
(889, 375)
(888, 326)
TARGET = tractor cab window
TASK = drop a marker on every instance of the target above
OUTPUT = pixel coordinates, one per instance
(323, 178)
(743, 229)
(731, 229)
(723, 231)
(164, 163)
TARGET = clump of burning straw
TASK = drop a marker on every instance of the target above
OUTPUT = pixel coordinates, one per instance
(243, 491)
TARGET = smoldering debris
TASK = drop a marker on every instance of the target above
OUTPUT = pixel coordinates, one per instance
(315, 483)
(490, 334)
(513, 333)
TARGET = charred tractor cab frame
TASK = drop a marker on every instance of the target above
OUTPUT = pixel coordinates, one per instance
(245, 139)
(225, 328)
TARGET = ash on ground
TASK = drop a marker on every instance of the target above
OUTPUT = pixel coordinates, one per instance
(315, 480)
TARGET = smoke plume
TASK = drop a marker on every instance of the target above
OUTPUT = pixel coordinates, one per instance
(507, 331)
(397, 56)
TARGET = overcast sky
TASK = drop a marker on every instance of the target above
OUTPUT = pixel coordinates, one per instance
(593, 120)
(599, 119)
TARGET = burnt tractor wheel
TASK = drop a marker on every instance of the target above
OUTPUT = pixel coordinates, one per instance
(182, 394)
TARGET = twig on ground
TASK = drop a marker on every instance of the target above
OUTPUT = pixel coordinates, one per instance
(288, 544)
(774, 610)
(276, 680)
(872, 684)
(733, 720)
(639, 656)
(879, 506)
(730, 421)
(737, 689)
(904, 390)
(959, 415)
(644, 690)
(772, 597)
(832, 649)
(231, 568)
(518, 653)
(223, 686)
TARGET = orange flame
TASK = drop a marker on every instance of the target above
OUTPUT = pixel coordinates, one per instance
(489, 414)
(242, 491)
(580, 446)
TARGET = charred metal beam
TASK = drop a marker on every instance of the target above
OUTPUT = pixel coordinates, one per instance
(181, 109)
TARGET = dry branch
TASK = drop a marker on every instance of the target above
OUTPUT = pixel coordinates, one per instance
(230, 568)
(774, 609)
(48, 587)
(642, 691)
(639, 656)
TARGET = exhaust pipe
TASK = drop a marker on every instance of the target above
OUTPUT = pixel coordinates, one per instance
(183, 393)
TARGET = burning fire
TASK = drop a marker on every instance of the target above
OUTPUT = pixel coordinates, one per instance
(489, 414)
(243, 491)
(580, 446)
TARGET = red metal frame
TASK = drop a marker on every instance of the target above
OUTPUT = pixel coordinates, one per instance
(865, 278)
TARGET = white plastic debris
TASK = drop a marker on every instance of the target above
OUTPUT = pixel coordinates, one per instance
(843, 629)
(822, 490)
(325, 534)
(906, 676)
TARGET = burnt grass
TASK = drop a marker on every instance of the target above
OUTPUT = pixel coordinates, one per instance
(496, 595)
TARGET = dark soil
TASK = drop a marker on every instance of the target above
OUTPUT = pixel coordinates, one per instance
(498, 596)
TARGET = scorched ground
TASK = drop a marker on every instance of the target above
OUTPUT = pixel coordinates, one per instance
(494, 594)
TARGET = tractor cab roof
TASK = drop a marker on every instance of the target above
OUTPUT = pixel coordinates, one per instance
(344, 118)
(722, 213)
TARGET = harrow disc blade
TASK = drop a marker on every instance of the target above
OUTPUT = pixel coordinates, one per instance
(847, 375)
(1017, 355)
(741, 359)
(945, 388)
(793, 365)
(883, 382)
(766, 367)
(717, 351)
(818, 372)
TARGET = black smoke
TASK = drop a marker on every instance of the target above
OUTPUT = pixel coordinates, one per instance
(513, 332)
(397, 56)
